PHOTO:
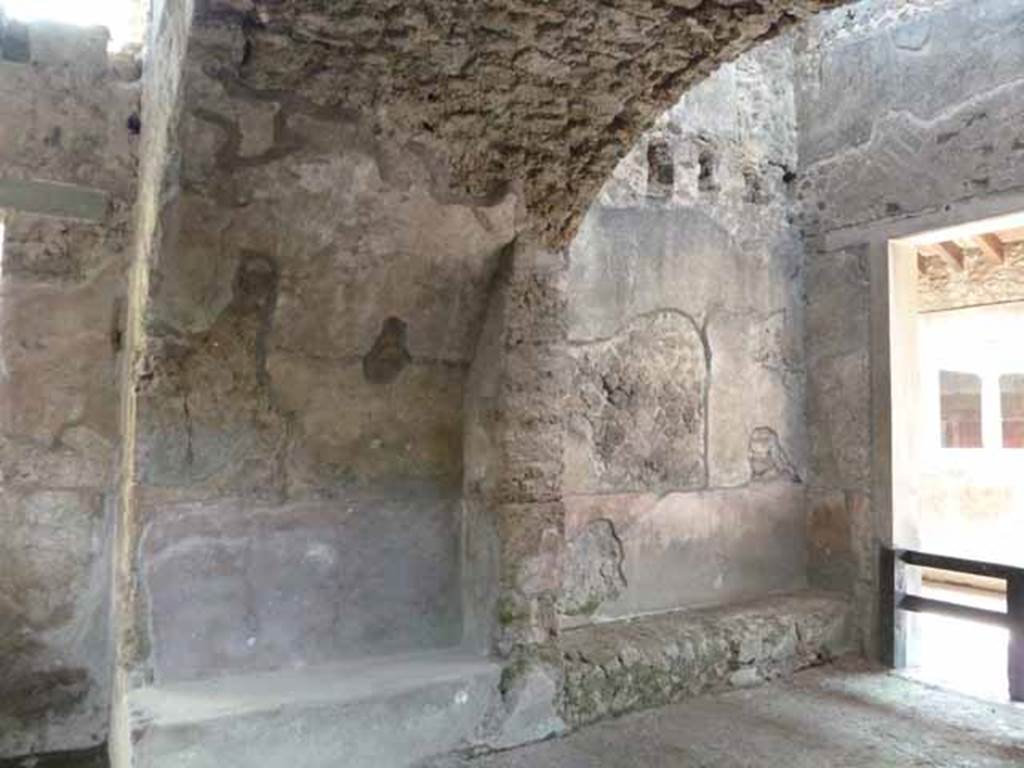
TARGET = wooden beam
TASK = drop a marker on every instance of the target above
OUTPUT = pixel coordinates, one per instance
(918, 604)
(1014, 235)
(948, 251)
(952, 253)
(1015, 609)
(991, 248)
(959, 564)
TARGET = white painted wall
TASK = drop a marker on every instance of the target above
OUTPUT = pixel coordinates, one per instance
(971, 499)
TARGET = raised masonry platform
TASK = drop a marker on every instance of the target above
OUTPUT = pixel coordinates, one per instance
(396, 711)
(383, 712)
(653, 660)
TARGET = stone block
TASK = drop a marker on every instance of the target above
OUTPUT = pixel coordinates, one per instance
(875, 71)
(84, 49)
(53, 651)
(356, 232)
(352, 431)
(56, 250)
(625, 263)
(530, 691)
(53, 199)
(830, 539)
(56, 129)
(838, 319)
(897, 145)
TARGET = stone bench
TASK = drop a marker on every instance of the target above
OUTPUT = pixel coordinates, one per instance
(367, 713)
(616, 667)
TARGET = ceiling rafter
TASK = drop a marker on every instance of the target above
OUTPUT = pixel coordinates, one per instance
(991, 248)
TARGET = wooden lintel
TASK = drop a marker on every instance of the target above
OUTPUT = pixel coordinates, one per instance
(991, 248)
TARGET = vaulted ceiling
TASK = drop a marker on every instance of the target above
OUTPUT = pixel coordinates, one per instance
(540, 95)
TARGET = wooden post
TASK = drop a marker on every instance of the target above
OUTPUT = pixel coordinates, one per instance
(1015, 612)
(892, 647)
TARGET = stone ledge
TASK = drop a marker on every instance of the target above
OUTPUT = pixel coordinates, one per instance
(383, 712)
(654, 660)
(51, 198)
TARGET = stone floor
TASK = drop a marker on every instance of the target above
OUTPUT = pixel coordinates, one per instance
(849, 716)
(88, 758)
(844, 716)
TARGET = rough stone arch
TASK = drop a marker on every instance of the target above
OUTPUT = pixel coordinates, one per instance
(543, 96)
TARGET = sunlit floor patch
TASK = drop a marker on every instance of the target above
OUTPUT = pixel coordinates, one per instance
(961, 655)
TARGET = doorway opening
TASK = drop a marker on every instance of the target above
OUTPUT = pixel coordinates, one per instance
(956, 313)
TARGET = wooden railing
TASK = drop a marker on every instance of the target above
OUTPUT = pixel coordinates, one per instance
(894, 599)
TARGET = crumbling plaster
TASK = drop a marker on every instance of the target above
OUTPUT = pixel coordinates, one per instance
(65, 110)
(685, 445)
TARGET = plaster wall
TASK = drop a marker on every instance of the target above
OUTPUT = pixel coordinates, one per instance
(67, 185)
(971, 497)
(326, 239)
(881, 146)
(312, 310)
(685, 447)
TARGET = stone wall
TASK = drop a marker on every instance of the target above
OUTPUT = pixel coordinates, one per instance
(685, 446)
(880, 141)
(68, 125)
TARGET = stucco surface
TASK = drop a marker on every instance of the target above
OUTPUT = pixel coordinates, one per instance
(685, 447)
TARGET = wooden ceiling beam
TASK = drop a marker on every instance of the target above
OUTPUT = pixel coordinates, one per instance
(991, 248)
(949, 252)
(1011, 235)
